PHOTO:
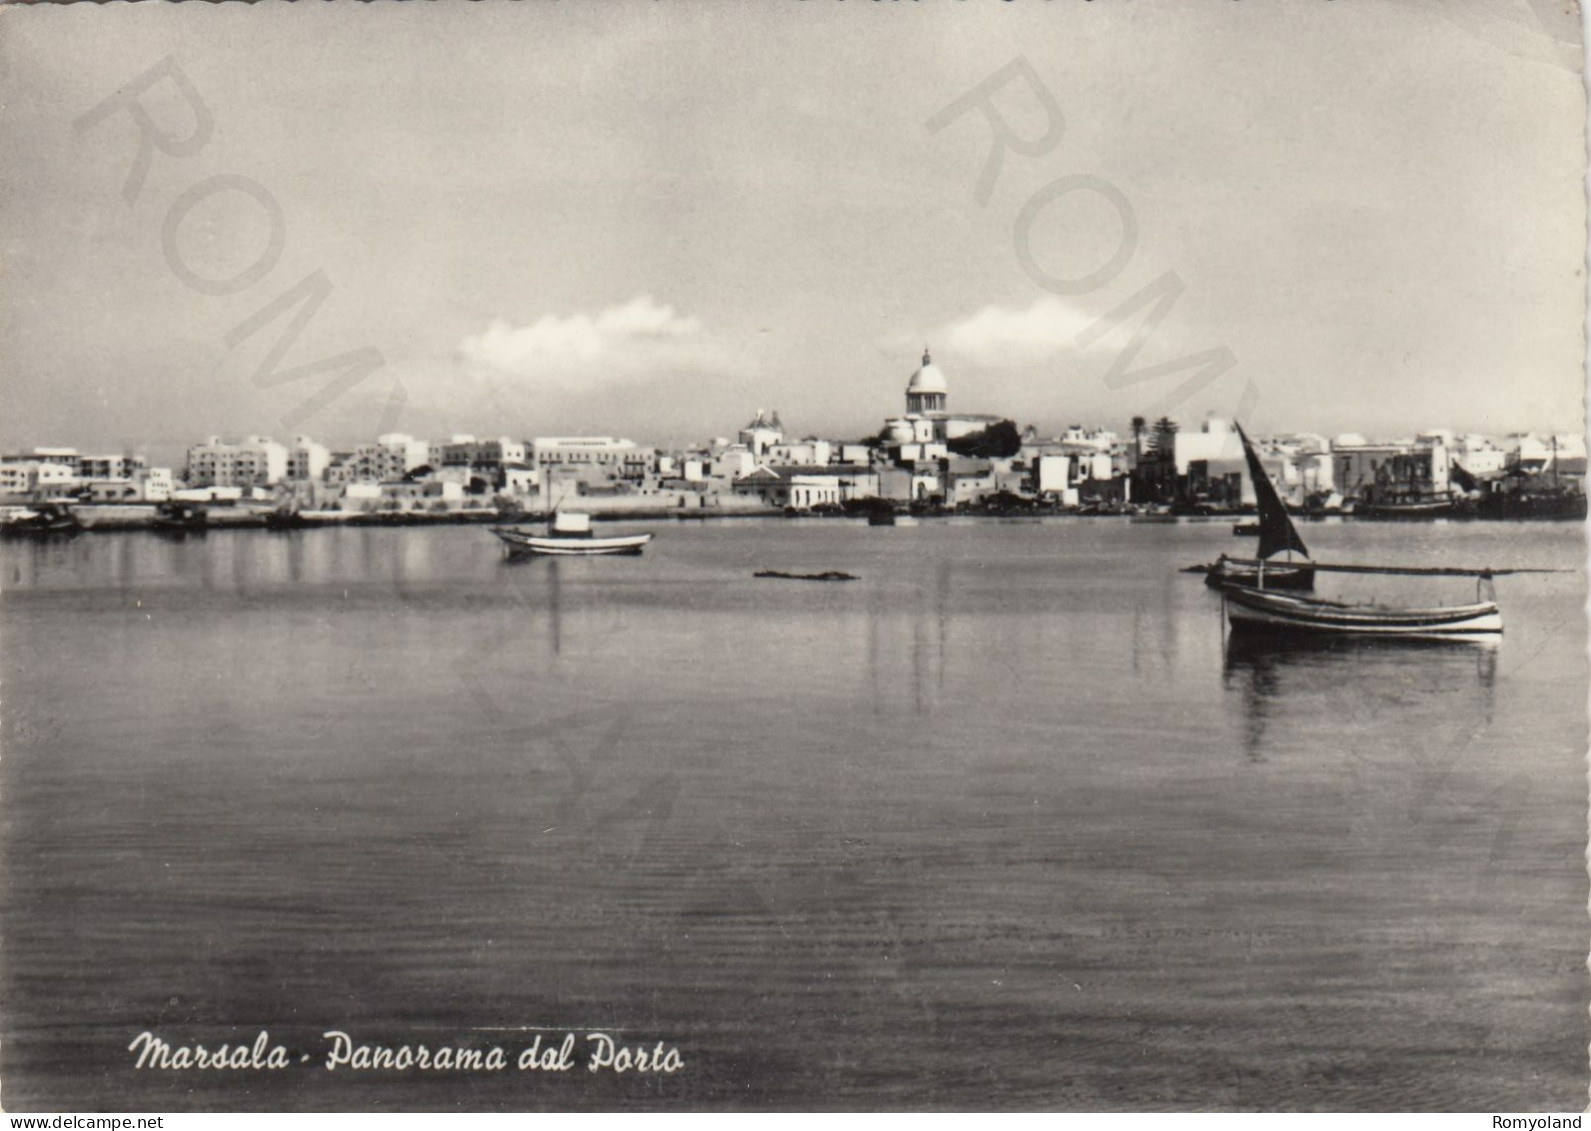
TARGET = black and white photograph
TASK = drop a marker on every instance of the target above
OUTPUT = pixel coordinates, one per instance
(796, 555)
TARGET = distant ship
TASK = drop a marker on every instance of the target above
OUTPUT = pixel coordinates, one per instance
(1541, 504)
(1538, 495)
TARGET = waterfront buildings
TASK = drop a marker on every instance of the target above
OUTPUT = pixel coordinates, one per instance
(60, 473)
(594, 459)
(486, 456)
(35, 478)
(257, 461)
(926, 455)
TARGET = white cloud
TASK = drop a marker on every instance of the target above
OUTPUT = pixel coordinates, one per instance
(997, 335)
(618, 344)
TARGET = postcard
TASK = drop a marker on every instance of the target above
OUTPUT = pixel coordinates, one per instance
(806, 555)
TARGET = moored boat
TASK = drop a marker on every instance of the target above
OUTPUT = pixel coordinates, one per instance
(1260, 573)
(1258, 610)
(42, 520)
(1282, 559)
(569, 535)
(285, 518)
(1409, 508)
(1540, 504)
(180, 518)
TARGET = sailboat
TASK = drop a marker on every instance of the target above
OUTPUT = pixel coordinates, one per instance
(1251, 603)
(1257, 608)
(1269, 568)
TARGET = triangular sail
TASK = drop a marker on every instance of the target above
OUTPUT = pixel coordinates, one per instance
(1277, 532)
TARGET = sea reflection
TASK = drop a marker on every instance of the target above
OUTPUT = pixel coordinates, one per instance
(999, 781)
(1275, 678)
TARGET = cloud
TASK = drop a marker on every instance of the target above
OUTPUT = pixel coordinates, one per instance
(615, 345)
(998, 335)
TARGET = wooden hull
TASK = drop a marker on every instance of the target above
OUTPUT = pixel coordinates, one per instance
(46, 522)
(41, 530)
(1443, 508)
(522, 542)
(1282, 575)
(1252, 610)
(1526, 506)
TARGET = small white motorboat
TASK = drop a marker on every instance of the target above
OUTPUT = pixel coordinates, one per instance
(568, 535)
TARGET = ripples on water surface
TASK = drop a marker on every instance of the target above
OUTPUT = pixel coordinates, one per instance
(1002, 824)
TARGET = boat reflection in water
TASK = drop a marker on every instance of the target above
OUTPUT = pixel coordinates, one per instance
(1282, 682)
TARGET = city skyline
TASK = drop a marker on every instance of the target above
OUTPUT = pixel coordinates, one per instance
(602, 224)
(175, 453)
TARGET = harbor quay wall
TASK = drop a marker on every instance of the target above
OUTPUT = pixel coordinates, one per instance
(111, 517)
(686, 506)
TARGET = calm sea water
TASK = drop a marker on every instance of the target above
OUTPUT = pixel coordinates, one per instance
(1005, 823)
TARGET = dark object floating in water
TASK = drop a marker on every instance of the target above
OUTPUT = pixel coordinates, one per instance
(826, 575)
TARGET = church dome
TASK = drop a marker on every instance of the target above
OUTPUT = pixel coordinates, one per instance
(928, 379)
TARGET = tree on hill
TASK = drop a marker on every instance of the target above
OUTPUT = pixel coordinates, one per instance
(998, 441)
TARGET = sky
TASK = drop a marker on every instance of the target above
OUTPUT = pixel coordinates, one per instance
(654, 218)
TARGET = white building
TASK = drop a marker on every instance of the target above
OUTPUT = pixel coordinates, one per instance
(807, 452)
(808, 491)
(592, 457)
(155, 484)
(60, 457)
(1478, 455)
(307, 459)
(1216, 440)
(35, 477)
(927, 452)
(392, 456)
(256, 462)
(763, 432)
(731, 463)
(404, 450)
(492, 455)
(1052, 473)
(1095, 439)
(108, 467)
